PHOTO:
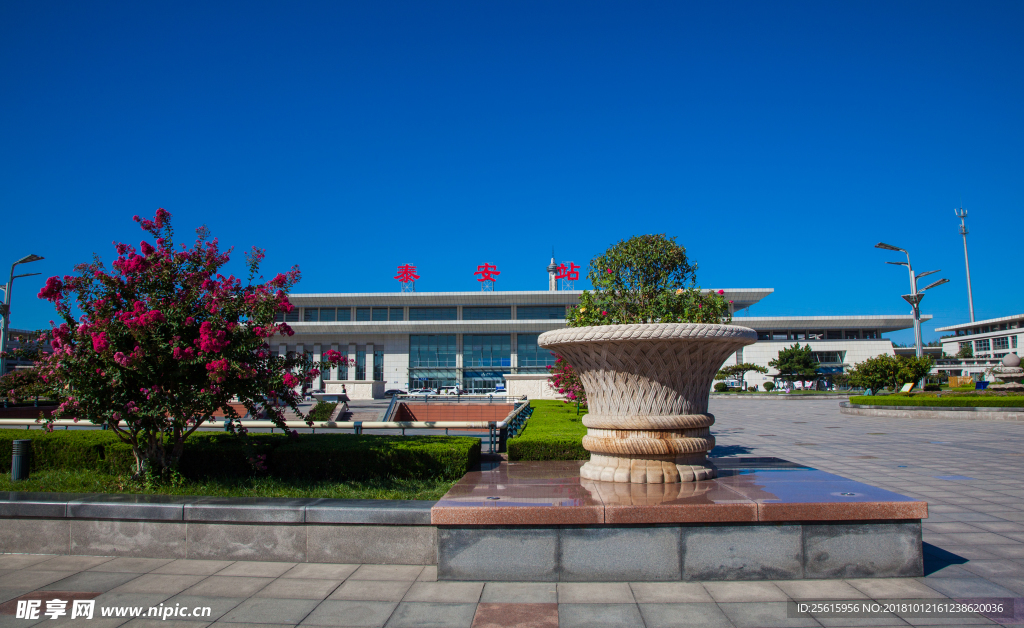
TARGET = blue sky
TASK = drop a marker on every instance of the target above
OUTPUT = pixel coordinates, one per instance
(778, 141)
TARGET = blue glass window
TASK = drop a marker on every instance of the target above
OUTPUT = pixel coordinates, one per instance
(486, 313)
(380, 314)
(344, 314)
(362, 313)
(531, 355)
(432, 351)
(486, 350)
(433, 313)
(327, 314)
(311, 314)
(397, 314)
(540, 312)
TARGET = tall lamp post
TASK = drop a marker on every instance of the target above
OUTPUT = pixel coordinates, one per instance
(962, 215)
(915, 296)
(5, 309)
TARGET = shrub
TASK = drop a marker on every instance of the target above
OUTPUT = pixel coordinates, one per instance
(939, 402)
(933, 387)
(322, 411)
(721, 387)
(769, 386)
(553, 432)
(751, 388)
(218, 454)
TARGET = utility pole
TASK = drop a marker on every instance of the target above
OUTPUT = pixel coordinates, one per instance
(962, 214)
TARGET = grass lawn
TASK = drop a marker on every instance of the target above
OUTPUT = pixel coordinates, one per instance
(553, 432)
(87, 481)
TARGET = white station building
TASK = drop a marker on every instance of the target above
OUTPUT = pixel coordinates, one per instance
(478, 340)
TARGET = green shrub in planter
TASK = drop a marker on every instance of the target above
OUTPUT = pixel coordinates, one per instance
(721, 387)
(768, 386)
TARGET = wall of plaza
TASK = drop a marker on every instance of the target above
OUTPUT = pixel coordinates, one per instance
(412, 340)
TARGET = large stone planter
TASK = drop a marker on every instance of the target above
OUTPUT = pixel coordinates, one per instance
(647, 389)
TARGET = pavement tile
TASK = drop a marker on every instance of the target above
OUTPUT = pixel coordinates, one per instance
(218, 605)
(595, 593)
(372, 590)
(131, 565)
(745, 592)
(669, 592)
(228, 586)
(429, 574)
(92, 581)
(270, 610)
(455, 592)
(894, 588)
(158, 623)
(432, 615)
(500, 615)
(820, 590)
(599, 616)
(350, 613)
(762, 614)
(320, 570)
(994, 568)
(158, 583)
(519, 592)
(299, 588)
(387, 572)
(258, 569)
(691, 615)
(968, 587)
(30, 579)
(72, 563)
(21, 561)
(188, 567)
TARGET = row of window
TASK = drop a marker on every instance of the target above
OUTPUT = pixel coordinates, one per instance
(346, 314)
(992, 344)
(831, 334)
(478, 350)
(984, 329)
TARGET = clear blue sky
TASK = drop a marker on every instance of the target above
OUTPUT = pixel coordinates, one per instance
(779, 141)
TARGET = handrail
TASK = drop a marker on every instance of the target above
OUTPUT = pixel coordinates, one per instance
(391, 408)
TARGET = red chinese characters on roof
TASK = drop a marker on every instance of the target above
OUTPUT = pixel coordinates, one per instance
(487, 272)
(407, 273)
(570, 272)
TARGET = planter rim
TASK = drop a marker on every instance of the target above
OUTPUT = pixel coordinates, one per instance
(708, 332)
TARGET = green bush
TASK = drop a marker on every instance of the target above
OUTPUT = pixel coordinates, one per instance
(933, 387)
(322, 411)
(939, 402)
(751, 388)
(721, 387)
(553, 432)
(216, 454)
(769, 386)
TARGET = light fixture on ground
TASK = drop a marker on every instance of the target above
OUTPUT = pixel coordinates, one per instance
(5, 309)
(915, 296)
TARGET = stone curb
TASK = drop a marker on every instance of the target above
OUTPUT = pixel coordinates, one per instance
(214, 509)
(779, 397)
(972, 413)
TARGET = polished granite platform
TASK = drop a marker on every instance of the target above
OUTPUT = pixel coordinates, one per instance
(762, 518)
(746, 490)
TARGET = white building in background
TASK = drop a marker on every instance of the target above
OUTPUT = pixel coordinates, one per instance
(478, 340)
(989, 340)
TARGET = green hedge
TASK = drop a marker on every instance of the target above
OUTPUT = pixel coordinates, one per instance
(553, 432)
(335, 457)
(939, 402)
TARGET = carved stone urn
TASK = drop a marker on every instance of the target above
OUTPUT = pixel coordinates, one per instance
(647, 389)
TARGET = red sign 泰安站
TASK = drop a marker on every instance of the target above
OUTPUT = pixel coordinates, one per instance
(487, 272)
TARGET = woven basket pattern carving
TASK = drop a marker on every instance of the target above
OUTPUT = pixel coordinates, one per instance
(647, 389)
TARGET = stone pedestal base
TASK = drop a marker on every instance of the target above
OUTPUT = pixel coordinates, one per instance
(647, 468)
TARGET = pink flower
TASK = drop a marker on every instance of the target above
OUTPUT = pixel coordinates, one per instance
(146, 248)
(609, 271)
(52, 290)
(290, 380)
(721, 292)
(604, 313)
(99, 342)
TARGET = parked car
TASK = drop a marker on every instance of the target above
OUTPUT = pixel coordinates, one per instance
(423, 391)
(394, 391)
(450, 390)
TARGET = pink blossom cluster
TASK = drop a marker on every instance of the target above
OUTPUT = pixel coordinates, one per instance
(212, 340)
(139, 316)
(218, 370)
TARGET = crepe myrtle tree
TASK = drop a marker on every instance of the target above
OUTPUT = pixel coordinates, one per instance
(566, 381)
(154, 346)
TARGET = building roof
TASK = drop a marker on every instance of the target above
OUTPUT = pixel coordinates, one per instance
(987, 321)
(741, 298)
(883, 323)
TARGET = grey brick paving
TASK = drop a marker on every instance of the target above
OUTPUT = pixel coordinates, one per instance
(974, 547)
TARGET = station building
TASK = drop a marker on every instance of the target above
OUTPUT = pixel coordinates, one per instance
(988, 340)
(478, 340)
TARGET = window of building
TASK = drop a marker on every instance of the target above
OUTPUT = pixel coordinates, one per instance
(362, 313)
(965, 345)
(780, 335)
(361, 364)
(531, 356)
(982, 345)
(1013, 341)
(998, 355)
(310, 314)
(482, 381)
(816, 335)
(540, 312)
(432, 378)
(984, 329)
(378, 366)
(432, 351)
(852, 334)
(344, 314)
(486, 350)
(870, 334)
(396, 314)
(486, 313)
(828, 357)
(279, 317)
(326, 314)
(764, 335)
(293, 316)
(798, 335)
(343, 365)
(1001, 343)
(834, 335)
(433, 313)
(379, 314)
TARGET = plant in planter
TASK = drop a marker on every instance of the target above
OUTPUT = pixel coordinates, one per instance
(646, 344)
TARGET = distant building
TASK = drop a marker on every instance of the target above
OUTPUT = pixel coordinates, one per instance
(17, 339)
(989, 340)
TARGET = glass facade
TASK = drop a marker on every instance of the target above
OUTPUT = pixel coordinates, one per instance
(379, 314)
(362, 313)
(431, 378)
(432, 351)
(327, 314)
(1001, 343)
(310, 314)
(361, 364)
(481, 381)
(486, 350)
(486, 313)
(532, 357)
(344, 314)
(982, 345)
(378, 366)
(540, 312)
(397, 314)
(343, 365)
(433, 313)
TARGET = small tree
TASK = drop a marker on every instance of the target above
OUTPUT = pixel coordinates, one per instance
(566, 381)
(769, 386)
(966, 351)
(889, 371)
(739, 371)
(164, 340)
(796, 364)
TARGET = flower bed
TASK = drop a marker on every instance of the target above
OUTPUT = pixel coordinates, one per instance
(554, 432)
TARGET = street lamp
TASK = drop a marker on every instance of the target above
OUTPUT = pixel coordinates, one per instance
(5, 309)
(915, 296)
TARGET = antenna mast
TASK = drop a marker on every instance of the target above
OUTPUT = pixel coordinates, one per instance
(962, 215)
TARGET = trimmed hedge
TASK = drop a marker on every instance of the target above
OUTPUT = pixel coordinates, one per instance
(939, 402)
(334, 457)
(553, 432)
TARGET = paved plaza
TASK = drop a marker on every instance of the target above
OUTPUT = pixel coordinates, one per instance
(970, 472)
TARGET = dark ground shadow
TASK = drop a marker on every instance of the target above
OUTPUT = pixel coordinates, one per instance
(936, 558)
(729, 450)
